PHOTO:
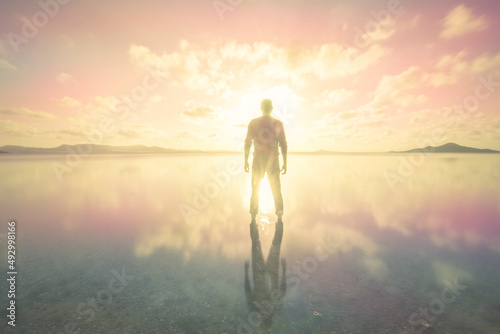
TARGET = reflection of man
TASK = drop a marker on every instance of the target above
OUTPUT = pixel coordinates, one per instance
(266, 133)
(268, 292)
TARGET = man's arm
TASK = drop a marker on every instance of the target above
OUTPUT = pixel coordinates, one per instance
(247, 154)
(284, 149)
(248, 145)
(284, 168)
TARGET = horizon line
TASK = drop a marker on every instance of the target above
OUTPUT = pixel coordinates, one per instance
(177, 150)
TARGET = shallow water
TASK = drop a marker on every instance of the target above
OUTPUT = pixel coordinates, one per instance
(373, 244)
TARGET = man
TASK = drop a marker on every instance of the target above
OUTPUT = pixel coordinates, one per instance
(266, 133)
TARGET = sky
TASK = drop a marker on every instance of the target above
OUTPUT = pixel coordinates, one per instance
(343, 75)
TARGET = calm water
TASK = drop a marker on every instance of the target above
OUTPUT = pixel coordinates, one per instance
(158, 244)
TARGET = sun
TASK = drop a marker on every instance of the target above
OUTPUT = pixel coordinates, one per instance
(284, 99)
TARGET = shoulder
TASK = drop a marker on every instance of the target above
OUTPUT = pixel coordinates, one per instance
(277, 122)
(255, 121)
(252, 124)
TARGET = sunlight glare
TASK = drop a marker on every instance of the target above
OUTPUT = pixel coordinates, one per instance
(266, 199)
(284, 100)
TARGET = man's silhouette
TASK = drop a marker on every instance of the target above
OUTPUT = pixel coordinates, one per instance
(266, 133)
(268, 291)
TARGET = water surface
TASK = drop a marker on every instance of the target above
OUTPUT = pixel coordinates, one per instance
(363, 254)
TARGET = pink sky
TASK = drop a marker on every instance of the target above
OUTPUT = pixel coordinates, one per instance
(345, 76)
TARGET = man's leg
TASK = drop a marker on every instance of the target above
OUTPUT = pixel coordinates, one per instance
(257, 176)
(273, 258)
(273, 174)
(258, 264)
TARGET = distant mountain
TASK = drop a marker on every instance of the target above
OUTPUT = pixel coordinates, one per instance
(326, 152)
(448, 148)
(96, 149)
(140, 149)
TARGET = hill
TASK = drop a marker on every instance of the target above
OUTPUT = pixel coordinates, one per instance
(142, 149)
(96, 149)
(448, 148)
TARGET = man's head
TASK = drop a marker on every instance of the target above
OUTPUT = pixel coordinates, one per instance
(266, 106)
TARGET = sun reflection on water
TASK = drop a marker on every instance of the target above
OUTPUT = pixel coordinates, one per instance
(266, 199)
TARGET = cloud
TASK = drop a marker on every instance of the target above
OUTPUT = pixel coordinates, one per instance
(410, 100)
(384, 29)
(181, 67)
(200, 111)
(485, 63)
(367, 121)
(151, 102)
(221, 68)
(69, 133)
(156, 98)
(66, 41)
(90, 114)
(98, 107)
(454, 62)
(401, 91)
(451, 125)
(334, 61)
(429, 116)
(65, 79)
(334, 97)
(69, 102)
(26, 113)
(416, 20)
(107, 102)
(344, 124)
(394, 90)
(461, 21)
(457, 65)
(141, 131)
(438, 79)
(348, 115)
(403, 81)
(4, 63)
(184, 134)
(17, 129)
(3, 47)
